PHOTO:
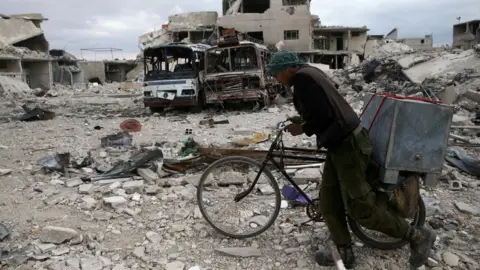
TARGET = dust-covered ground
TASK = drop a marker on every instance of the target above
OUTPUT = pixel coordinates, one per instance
(159, 225)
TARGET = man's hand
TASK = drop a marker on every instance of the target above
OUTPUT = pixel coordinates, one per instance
(295, 129)
(295, 119)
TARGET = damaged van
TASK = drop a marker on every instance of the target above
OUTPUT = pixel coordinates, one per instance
(238, 73)
(171, 76)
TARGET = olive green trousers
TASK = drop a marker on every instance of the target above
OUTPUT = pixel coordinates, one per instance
(345, 190)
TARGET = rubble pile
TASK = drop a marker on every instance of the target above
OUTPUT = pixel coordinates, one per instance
(398, 69)
(88, 187)
(82, 200)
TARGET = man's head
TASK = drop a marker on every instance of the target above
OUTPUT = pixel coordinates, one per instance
(283, 65)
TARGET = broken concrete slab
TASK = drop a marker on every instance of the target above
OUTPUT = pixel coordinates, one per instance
(115, 201)
(75, 182)
(131, 187)
(56, 235)
(466, 208)
(243, 252)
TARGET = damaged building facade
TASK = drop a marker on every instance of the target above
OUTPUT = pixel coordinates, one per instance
(466, 35)
(190, 27)
(336, 46)
(270, 21)
(24, 51)
(65, 68)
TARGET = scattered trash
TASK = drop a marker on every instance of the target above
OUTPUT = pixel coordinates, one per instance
(293, 196)
(123, 169)
(460, 159)
(121, 139)
(212, 123)
(189, 147)
(36, 114)
(257, 138)
(131, 125)
(57, 162)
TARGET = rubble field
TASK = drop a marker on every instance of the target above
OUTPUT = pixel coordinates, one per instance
(55, 218)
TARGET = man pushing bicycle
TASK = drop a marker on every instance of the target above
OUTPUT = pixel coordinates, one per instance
(345, 186)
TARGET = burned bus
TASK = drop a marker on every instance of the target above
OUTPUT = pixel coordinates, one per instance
(237, 72)
(171, 76)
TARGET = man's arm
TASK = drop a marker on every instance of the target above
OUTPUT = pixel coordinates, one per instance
(317, 111)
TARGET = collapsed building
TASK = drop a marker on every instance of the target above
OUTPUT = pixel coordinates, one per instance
(466, 35)
(65, 68)
(338, 45)
(24, 51)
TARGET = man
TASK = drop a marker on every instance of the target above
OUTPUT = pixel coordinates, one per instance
(326, 114)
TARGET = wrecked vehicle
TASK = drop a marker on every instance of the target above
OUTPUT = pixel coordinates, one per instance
(237, 73)
(171, 76)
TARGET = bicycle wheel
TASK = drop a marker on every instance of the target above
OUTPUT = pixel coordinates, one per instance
(384, 242)
(226, 178)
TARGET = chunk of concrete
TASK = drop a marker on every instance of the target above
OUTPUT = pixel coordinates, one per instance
(56, 235)
(85, 189)
(131, 187)
(115, 201)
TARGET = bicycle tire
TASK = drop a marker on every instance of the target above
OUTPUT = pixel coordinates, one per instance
(249, 161)
(391, 245)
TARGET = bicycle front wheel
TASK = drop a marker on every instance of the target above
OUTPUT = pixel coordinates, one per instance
(253, 214)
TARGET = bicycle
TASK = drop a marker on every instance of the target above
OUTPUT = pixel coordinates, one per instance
(278, 150)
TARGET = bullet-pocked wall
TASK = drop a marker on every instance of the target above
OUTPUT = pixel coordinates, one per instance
(272, 21)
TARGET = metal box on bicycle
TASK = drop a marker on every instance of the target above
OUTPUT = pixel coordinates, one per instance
(407, 135)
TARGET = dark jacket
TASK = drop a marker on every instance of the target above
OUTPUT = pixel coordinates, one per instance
(325, 112)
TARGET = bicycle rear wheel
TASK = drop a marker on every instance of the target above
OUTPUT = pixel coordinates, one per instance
(382, 241)
(219, 185)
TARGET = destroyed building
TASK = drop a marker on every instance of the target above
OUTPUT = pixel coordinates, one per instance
(65, 68)
(337, 45)
(24, 51)
(190, 27)
(270, 21)
(466, 35)
(116, 70)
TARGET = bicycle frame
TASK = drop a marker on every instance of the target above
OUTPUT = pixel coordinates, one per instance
(277, 144)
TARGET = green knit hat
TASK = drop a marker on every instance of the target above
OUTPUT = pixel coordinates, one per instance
(282, 60)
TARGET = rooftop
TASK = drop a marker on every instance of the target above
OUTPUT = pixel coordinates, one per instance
(335, 28)
(472, 21)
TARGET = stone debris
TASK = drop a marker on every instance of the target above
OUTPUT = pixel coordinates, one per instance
(56, 235)
(240, 251)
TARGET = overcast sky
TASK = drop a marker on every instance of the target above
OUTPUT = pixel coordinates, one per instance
(100, 23)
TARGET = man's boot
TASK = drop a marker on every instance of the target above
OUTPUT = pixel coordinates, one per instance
(421, 242)
(325, 258)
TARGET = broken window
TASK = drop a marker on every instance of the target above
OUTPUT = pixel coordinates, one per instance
(422, 41)
(355, 34)
(256, 35)
(172, 62)
(294, 2)
(290, 34)
(232, 59)
(255, 6)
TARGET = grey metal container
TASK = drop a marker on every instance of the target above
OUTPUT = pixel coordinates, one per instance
(408, 135)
